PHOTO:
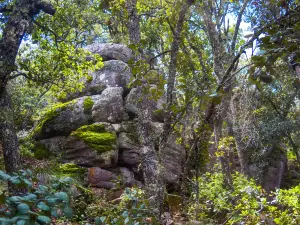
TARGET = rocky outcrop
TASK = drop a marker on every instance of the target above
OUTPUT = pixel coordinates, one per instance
(97, 129)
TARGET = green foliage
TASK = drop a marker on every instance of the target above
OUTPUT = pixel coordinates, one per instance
(36, 204)
(55, 58)
(246, 202)
(27, 102)
(27, 145)
(96, 137)
(132, 210)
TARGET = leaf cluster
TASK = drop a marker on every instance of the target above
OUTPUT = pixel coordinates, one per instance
(34, 204)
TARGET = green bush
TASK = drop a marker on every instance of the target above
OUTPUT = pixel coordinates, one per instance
(132, 210)
(34, 204)
(246, 203)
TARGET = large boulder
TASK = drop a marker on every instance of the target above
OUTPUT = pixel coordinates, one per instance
(130, 154)
(64, 118)
(101, 178)
(92, 145)
(133, 105)
(109, 107)
(173, 161)
(111, 51)
(61, 120)
(115, 73)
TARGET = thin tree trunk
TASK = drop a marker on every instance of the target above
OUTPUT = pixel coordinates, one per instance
(172, 72)
(240, 146)
(150, 165)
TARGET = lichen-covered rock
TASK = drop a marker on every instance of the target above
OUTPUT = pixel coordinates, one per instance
(173, 161)
(127, 177)
(108, 106)
(115, 73)
(111, 51)
(60, 120)
(92, 145)
(128, 126)
(128, 140)
(173, 156)
(130, 155)
(133, 105)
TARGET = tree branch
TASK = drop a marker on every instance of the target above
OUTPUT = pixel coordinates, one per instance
(5, 9)
(237, 27)
(160, 54)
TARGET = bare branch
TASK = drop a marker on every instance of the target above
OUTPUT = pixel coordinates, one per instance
(237, 26)
(160, 54)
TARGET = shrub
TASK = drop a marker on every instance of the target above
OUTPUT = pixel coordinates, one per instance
(35, 204)
(246, 203)
(132, 210)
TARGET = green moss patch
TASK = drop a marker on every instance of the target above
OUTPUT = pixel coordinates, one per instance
(88, 104)
(89, 79)
(96, 137)
(71, 170)
(52, 113)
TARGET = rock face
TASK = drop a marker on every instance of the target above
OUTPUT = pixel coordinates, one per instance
(133, 105)
(97, 129)
(109, 107)
(111, 51)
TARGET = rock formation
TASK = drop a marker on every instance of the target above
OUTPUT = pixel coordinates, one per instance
(97, 128)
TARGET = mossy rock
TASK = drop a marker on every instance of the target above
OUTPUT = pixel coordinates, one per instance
(51, 114)
(96, 137)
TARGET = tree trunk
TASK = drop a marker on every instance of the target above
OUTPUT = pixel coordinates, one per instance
(273, 173)
(19, 22)
(172, 73)
(150, 164)
(8, 136)
(170, 92)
